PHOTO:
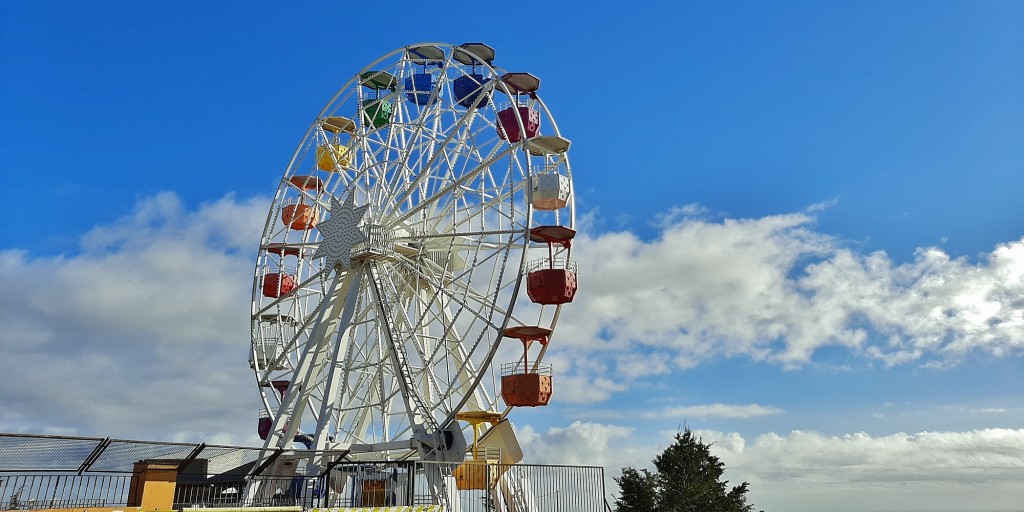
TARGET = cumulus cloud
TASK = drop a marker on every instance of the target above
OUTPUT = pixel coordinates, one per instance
(583, 444)
(772, 289)
(810, 471)
(143, 330)
(930, 470)
(935, 457)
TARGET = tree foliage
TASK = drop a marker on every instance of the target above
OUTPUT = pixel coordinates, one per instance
(688, 478)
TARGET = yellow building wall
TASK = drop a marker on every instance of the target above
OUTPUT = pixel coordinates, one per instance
(152, 486)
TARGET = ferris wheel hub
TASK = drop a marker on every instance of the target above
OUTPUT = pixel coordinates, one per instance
(341, 232)
(379, 244)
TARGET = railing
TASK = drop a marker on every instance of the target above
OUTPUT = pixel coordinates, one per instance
(503, 487)
(558, 263)
(518, 368)
(36, 491)
(43, 472)
(260, 491)
(484, 487)
(38, 471)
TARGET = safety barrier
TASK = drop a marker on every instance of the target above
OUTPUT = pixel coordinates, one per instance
(77, 473)
(520, 487)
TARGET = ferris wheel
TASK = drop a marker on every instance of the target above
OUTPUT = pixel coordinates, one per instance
(429, 192)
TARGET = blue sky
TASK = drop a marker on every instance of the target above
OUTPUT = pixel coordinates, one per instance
(777, 200)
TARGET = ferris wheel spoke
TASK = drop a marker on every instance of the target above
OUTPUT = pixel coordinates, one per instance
(430, 384)
(417, 133)
(463, 385)
(455, 349)
(430, 163)
(365, 397)
(488, 206)
(459, 234)
(362, 409)
(445, 201)
(478, 298)
(449, 352)
(461, 301)
(469, 176)
(444, 210)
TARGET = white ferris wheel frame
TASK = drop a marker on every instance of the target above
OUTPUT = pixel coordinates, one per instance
(394, 345)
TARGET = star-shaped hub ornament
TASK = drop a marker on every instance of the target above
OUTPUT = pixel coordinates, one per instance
(341, 232)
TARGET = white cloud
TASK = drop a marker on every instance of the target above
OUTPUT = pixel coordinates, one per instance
(717, 411)
(582, 379)
(677, 214)
(702, 412)
(143, 330)
(809, 471)
(822, 206)
(936, 457)
(771, 289)
(151, 303)
(581, 443)
(993, 410)
(932, 470)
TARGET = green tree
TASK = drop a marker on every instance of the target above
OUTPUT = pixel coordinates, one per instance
(687, 479)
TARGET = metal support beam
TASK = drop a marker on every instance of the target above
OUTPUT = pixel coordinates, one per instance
(191, 456)
(267, 462)
(96, 452)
